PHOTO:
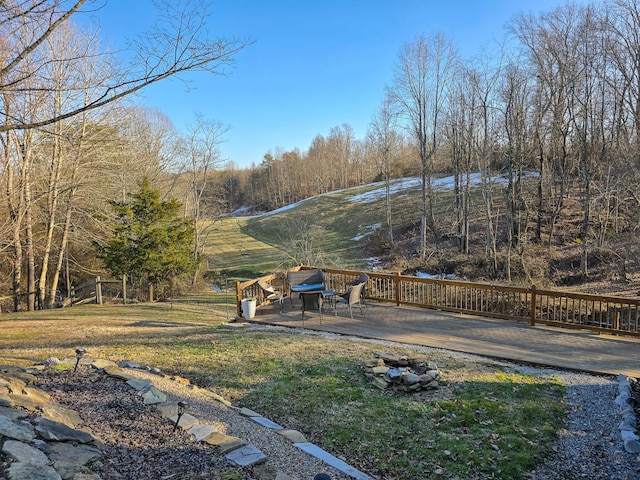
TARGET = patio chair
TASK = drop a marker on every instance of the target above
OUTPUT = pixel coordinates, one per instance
(271, 293)
(363, 278)
(353, 296)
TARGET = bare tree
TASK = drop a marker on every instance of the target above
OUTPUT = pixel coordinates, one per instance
(203, 157)
(549, 43)
(384, 139)
(179, 44)
(419, 89)
(515, 97)
(460, 136)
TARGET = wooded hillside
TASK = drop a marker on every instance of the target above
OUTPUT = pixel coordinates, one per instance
(555, 113)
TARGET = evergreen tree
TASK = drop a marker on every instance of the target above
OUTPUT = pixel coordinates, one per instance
(150, 240)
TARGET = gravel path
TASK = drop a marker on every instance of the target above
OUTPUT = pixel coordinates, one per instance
(590, 445)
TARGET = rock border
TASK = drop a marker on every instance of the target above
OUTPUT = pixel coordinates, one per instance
(629, 423)
(42, 452)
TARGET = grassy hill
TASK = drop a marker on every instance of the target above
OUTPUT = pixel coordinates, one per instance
(338, 229)
(342, 229)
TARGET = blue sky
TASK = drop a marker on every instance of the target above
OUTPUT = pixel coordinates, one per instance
(314, 65)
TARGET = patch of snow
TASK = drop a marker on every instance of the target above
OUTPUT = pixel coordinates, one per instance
(242, 210)
(442, 184)
(368, 231)
(293, 205)
(395, 186)
(373, 263)
(437, 276)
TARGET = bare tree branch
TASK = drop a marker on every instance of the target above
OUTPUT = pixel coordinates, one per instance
(178, 43)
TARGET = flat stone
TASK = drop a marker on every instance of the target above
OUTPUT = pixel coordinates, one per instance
(5, 400)
(410, 379)
(263, 472)
(168, 409)
(13, 413)
(248, 412)
(628, 435)
(292, 435)
(20, 375)
(70, 454)
(128, 364)
(16, 429)
(86, 476)
(246, 456)
(117, 372)
(30, 471)
(24, 453)
(380, 382)
(68, 470)
(335, 462)
(201, 432)
(380, 370)
(50, 430)
(186, 421)
(227, 443)
(138, 383)
(5, 368)
(36, 392)
(386, 356)
(14, 385)
(215, 438)
(101, 364)
(151, 395)
(30, 402)
(265, 422)
(58, 413)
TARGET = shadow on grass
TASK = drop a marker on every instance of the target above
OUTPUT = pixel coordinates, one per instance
(161, 324)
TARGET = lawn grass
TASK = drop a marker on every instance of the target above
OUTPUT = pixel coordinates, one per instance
(486, 421)
(233, 255)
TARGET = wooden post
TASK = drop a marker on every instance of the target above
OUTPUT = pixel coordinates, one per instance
(397, 282)
(124, 289)
(98, 291)
(533, 305)
(238, 299)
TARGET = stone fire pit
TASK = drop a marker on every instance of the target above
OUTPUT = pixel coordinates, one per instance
(401, 373)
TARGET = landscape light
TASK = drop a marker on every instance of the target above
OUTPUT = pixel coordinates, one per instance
(182, 406)
(79, 354)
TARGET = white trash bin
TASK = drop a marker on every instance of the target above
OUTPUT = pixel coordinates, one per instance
(248, 307)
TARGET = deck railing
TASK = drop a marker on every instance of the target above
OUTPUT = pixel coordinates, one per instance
(611, 314)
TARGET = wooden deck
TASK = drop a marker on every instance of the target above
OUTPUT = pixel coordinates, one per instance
(569, 349)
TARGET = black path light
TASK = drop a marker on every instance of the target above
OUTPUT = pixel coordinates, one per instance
(182, 406)
(79, 354)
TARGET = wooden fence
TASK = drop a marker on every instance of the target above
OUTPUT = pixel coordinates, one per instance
(610, 314)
